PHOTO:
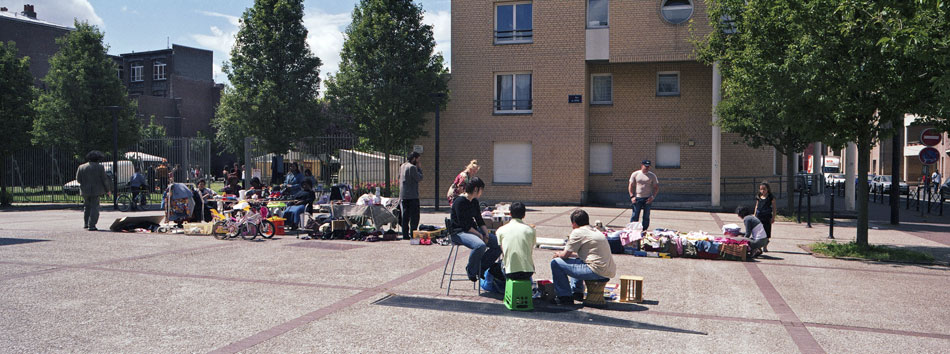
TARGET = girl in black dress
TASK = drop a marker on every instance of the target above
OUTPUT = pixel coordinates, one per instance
(765, 207)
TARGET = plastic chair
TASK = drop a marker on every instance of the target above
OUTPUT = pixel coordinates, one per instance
(453, 257)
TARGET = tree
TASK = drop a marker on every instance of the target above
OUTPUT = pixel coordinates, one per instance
(387, 73)
(16, 106)
(153, 130)
(81, 81)
(275, 80)
(766, 97)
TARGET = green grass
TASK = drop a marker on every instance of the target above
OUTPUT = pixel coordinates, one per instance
(869, 252)
(815, 219)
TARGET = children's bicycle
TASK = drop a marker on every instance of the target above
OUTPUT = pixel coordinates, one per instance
(244, 222)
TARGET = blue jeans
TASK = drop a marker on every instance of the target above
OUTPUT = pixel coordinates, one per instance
(292, 214)
(638, 205)
(569, 275)
(482, 256)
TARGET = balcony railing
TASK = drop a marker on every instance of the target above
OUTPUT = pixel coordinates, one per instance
(512, 106)
(514, 36)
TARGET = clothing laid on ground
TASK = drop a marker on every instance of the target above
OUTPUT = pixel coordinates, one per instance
(592, 248)
(517, 241)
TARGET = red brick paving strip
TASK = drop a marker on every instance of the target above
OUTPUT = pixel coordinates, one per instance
(800, 335)
(268, 334)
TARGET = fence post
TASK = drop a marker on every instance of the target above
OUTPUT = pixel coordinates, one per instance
(831, 221)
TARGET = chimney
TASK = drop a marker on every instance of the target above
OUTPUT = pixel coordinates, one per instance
(28, 11)
(3, 9)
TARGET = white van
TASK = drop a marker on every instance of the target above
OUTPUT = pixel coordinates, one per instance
(126, 170)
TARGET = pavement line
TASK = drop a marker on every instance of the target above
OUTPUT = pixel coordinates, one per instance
(285, 327)
(858, 269)
(803, 339)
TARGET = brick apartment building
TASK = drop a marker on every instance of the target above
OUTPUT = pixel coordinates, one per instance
(34, 38)
(174, 85)
(559, 101)
(911, 169)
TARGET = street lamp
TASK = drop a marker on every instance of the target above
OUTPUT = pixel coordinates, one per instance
(115, 155)
(438, 100)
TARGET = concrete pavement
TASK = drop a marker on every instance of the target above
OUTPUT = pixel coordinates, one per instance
(66, 289)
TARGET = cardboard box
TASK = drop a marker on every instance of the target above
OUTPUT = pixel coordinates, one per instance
(429, 234)
(338, 225)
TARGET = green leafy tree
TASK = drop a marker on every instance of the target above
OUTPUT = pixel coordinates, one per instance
(275, 80)
(153, 130)
(766, 97)
(387, 72)
(16, 106)
(81, 81)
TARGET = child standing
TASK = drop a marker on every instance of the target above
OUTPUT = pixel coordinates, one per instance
(765, 208)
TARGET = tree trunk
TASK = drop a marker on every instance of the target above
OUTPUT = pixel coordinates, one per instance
(864, 162)
(789, 184)
(388, 174)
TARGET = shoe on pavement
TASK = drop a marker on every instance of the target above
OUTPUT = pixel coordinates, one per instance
(85, 226)
(563, 301)
(578, 297)
(93, 229)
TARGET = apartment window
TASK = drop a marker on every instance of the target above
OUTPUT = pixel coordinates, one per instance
(668, 83)
(512, 163)
(597, 13)
(676, 11)
(601, 159)
(513, 23)
(136, 73)
(668, 155)
(513, 93)
(159, 93)
(158, 70)
(601, 86)
(120, 72)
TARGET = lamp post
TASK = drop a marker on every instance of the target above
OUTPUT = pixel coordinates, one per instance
(438, 97)
(115, 155)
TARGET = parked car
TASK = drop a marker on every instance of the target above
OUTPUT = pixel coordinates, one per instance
(882, 184)
(835, 179)
(125, 174)
(945, 189)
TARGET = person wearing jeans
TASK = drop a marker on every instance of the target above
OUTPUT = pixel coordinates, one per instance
(470, 230)
(642, 187)
(585, 257)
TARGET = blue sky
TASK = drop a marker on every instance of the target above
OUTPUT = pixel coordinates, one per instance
(141, 25)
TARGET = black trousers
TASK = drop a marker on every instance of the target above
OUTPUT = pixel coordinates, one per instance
(410, 217)
(766, 220)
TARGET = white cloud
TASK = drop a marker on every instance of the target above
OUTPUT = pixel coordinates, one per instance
(441, 22)
(325, 38)
(233, 20)
(62, 12)
(218, 41)
(125, 9)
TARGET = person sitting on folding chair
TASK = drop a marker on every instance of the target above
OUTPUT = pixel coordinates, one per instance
(303, 202)
(472, 232)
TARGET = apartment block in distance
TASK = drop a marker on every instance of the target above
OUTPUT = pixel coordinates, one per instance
(559, 101)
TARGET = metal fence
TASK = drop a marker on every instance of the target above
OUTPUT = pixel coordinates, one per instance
(47, 174)
(330, 159)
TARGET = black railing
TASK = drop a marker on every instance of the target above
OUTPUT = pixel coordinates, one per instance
(513, 35)
(512, 105)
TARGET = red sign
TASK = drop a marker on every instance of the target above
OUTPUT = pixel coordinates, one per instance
(929, 156)
(930, 137)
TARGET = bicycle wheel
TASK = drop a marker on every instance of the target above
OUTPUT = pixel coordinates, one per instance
(125, 203)
(219, 235)
(234, 230)
(267, 229)
(249, 231)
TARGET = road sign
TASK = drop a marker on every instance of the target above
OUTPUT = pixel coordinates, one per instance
(929, 156)
(930, 137)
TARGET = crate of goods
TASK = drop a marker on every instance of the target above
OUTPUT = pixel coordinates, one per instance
(338, 225)
(427, 234)
(200, 228)
(278, 224)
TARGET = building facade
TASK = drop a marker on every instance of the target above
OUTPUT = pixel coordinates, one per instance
(559, 101)
(33, 37)
(911, 168)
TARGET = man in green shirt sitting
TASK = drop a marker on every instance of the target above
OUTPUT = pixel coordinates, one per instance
(517, 241)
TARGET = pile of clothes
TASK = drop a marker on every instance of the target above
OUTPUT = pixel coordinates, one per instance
(665, 243)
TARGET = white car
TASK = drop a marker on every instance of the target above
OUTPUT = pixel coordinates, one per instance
(125, 174)
(835, 179)
(882, 184)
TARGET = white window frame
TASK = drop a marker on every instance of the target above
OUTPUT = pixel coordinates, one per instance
(135, 75)
(692, 10)
(158, 70)
(593, 99)
(119, 71)
(514, 93)
(496, 169)
(610, 160)
(679, 156)
(678, 86)
(514, 22)
(589, 25)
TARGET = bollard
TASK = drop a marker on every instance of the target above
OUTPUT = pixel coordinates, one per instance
(831, 220)
(798, 217)
(809, 208)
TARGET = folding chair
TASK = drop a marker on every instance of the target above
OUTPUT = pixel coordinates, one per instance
(453, 256)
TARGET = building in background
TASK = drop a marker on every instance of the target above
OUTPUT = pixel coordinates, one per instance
(560, 101)
(34, 38)
(911, 168)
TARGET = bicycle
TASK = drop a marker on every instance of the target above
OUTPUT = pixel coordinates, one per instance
(126, 201)
(248, 224)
